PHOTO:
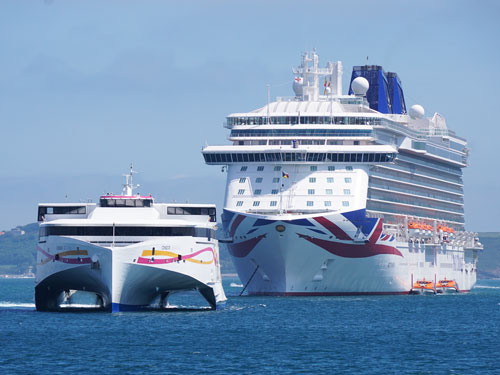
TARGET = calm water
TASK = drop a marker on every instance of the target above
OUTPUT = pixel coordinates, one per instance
(443, 334)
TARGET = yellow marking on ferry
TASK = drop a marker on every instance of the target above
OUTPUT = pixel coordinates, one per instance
(73, 252)
(149, 253)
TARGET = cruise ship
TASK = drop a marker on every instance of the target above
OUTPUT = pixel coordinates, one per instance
(334, 194)
(128, 250)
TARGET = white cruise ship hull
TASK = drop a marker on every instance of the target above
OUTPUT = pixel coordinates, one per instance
(130, 277)
(336, 254)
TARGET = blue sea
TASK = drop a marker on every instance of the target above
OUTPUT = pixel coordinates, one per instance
(442, 334)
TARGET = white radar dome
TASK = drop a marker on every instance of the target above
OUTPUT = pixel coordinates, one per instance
(416, 111)
(360, 86)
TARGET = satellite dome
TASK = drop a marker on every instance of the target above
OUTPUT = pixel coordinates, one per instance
(360, 86)
(298, 83)
(416, 111)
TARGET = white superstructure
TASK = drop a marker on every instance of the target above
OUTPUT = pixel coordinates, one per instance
(128, 250)
(343, 194)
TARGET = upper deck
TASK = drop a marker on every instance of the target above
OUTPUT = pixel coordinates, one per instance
(320, 115)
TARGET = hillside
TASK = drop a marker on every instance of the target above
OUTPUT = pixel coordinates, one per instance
(18, 252)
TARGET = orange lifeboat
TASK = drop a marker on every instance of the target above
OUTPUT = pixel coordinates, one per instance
(423, 287)
(446, 286)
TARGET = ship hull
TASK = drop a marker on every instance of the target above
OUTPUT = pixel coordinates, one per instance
(335, 254)
(127, 278)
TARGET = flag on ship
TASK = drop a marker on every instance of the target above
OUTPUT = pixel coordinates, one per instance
(285, 175)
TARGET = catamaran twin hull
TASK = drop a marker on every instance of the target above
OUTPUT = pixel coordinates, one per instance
(336, 254)
(129, 277)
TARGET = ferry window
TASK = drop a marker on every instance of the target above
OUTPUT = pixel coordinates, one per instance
(239, 203)
(242, 180)
(329, 180)
(50, 210)
(331, 168)
(348, 180)
(371, 158)
(365, 158)
(257, 191)
(256, 203)
(328, 203)
(310, 203)
(260, 168)
(312, 179)
(310, 191)
(241, 191)
(359, 157)
(274, 191)
(243, 169)
(347, 191)
(273, 203)
(377, 158)
(277, 168)
(313, 168)
(258, 180)
(276, 179)
(345, 203)
(348, 168)
(329, 191)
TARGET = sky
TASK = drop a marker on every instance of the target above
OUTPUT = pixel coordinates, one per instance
(88, 87)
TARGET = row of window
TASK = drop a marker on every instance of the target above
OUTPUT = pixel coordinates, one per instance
(300, 133)
(60, 210)
(308, 203)
(329, 180)
(193, 211)
(312, 168)
(292, 120)
(309, 191)
(125, 231)
(232, 157)
(120, 202)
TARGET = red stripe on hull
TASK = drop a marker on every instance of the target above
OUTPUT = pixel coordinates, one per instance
(333, 228)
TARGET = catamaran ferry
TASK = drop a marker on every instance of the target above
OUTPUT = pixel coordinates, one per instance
(128, 250)
(332, 194)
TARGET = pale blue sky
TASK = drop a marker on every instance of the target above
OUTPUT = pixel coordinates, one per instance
(86, 87)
